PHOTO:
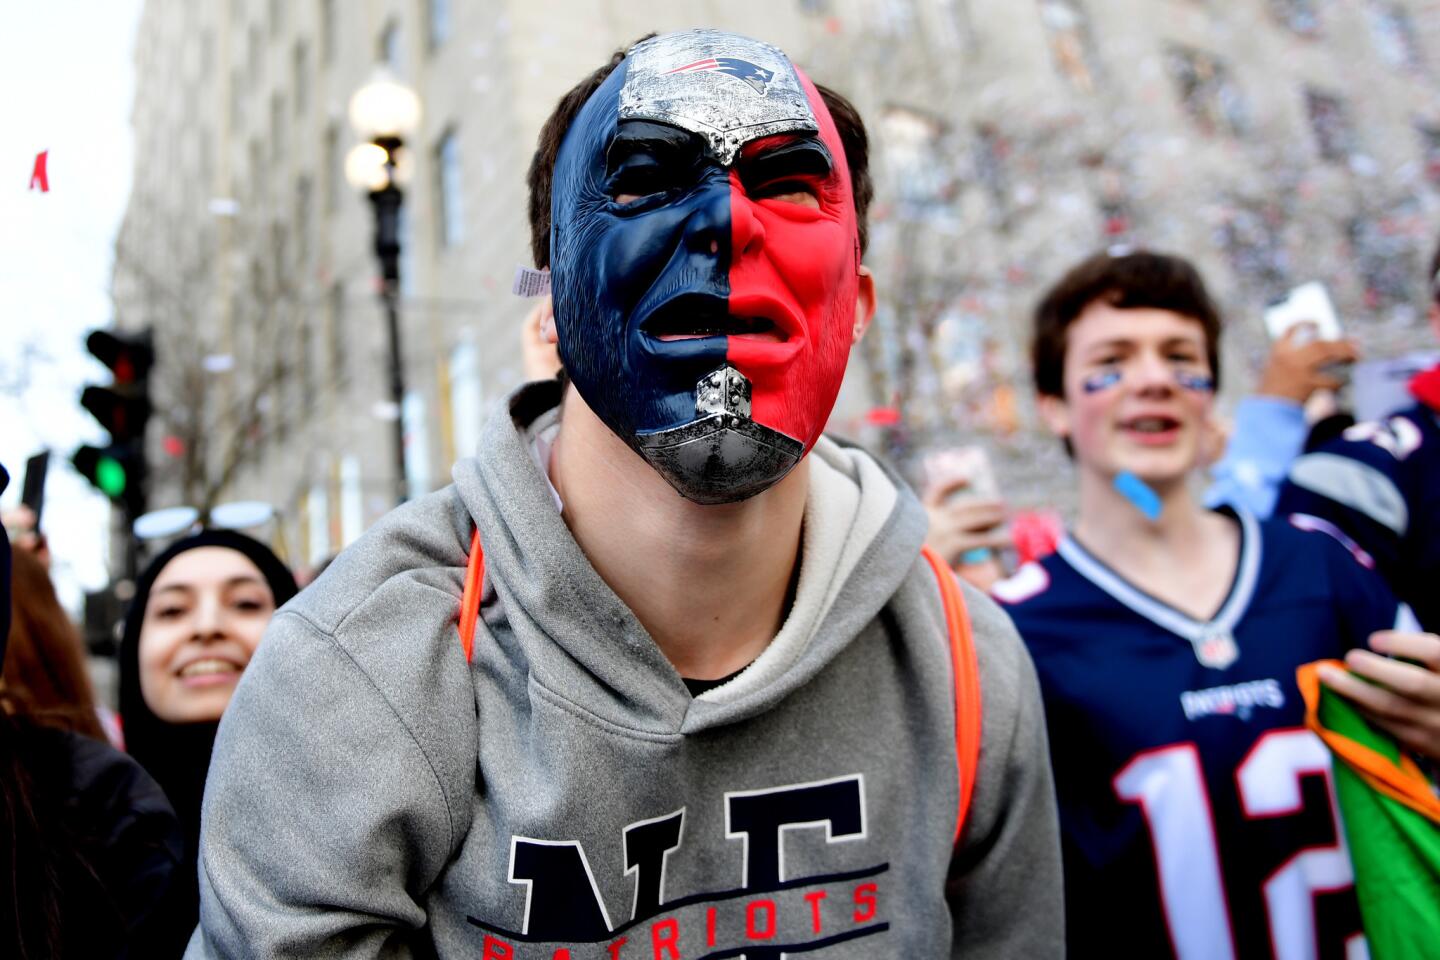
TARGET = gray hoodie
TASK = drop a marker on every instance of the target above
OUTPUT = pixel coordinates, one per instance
(564, 796)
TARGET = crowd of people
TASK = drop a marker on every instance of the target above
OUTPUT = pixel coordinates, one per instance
(664, 646)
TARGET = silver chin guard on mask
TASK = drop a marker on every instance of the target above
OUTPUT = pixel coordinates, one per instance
(723, 456)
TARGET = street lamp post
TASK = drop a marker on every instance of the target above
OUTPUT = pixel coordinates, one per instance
(383, 113)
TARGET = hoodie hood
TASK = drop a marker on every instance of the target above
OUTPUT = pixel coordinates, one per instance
(862, 535)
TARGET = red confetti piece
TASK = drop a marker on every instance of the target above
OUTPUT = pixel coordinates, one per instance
(39, 177)
(883, 416)
(1037, 533)
(173, 445)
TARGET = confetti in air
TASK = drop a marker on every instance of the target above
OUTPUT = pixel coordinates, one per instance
(39, 177)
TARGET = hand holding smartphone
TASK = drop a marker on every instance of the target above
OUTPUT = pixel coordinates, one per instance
(1307, 304)
(962, 495)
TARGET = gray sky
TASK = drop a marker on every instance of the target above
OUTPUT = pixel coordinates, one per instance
(68, 76)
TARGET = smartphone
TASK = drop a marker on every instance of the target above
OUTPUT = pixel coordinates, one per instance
(971, 464)
(945, 467)
(33, 491)
(1308, 304)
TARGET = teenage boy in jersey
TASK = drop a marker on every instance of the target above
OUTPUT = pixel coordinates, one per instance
(1196, 818)
(1380, 483)
(711, 708)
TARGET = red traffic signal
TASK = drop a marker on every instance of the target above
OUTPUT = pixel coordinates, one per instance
(128, 355)
(123, 416)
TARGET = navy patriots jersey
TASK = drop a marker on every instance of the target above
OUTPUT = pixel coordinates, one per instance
(1380, 483)
(1196, 810)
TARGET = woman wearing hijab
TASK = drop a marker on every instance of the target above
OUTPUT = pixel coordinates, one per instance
(199, 611)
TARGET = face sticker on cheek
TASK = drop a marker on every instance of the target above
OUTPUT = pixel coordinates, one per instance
(1101, 380)
(707, 326)
(1197, 382)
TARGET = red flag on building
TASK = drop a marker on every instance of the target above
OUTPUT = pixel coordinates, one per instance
(39, 176)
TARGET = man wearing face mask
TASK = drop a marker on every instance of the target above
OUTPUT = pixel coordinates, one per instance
(705, 696)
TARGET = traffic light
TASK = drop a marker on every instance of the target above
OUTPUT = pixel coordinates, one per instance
(123, 409)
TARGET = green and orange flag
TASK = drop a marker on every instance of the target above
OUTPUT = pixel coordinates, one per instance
(1392, 824)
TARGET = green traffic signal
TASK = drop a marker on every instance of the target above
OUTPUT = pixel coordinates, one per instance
(110, 476)
(115, 470)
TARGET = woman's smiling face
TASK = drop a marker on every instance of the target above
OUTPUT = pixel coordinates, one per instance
(203, 620)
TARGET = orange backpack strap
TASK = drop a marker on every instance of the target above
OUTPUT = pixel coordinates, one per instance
(967, 683)
(470, 599)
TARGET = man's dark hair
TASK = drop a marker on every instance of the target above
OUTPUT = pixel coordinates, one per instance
(1129, 282)
(552, 134)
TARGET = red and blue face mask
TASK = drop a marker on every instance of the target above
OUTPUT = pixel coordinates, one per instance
(705, 261)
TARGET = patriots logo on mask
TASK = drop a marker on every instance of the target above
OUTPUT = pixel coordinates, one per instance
(756, 77)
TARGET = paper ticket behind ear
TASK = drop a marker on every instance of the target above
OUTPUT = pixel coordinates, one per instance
(530, 282)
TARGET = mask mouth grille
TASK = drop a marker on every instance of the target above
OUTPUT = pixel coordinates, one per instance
(722, 456)
(727, 390)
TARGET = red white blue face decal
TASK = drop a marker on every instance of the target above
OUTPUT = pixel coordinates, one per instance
(704, 260)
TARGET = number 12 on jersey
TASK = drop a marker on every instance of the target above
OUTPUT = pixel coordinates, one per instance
(1168, 784)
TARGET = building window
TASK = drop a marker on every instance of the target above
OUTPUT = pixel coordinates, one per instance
(917, 176)
(1383, 252)
(1430, 151)
(254, 56)
(447, 190)
(439, 19)
(303, 191)
(336, 334)
(1070, 44)
(415, 428)
(277, 126)
(327, 31)
(306, 364)
(352, 502)
(300, 85)
(387, 49)
(1207, 94)
(1394, 34)
(467, 399)
(317, 516)
(334, 175)
(1112, 199)
(1251, 235)
(895, 17)
(257, 174)
(992, 170)
(237, 100)
(1299, 16)
(1329, 121)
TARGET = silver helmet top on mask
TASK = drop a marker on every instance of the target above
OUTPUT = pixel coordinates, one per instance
(726, 88)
